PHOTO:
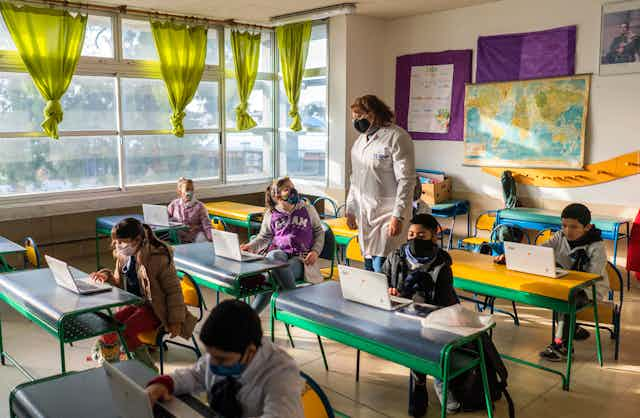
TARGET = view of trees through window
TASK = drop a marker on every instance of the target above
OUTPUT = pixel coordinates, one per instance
(108, 118)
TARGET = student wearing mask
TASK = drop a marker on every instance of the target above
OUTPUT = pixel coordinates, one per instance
(144, 267)
(421, 271)
(189, 211)
(243, 373)
(382, 181)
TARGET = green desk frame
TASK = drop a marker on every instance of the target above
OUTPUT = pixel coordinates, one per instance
(446, 369)
(244, 223)
(556, 305)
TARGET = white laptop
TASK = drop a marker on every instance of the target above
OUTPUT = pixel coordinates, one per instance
(227, 245)
(157, 215)
(368, 288)
(131, 400)
(532, 259)
(64, 278)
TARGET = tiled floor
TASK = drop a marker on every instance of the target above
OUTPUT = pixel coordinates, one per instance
(613, 391)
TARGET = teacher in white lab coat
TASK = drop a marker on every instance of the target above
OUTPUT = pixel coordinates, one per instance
(382, 181)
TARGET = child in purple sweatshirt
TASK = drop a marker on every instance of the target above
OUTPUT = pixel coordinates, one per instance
(191, 212)
(291, 231)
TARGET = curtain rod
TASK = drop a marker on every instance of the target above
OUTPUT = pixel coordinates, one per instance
(141, 12)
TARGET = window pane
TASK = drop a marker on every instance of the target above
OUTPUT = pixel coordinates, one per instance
(98, 38)
(312, 105)
(32, 165)
(145, 105)
(260, 103)
(249, 155)
(165, 158)
(303, 155)
(213, 56)
(265, 64)
(137, 41)
(317, 56)
(20, 104)
(6, 43)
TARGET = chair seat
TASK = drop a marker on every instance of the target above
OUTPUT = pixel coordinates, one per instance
(149, 337)
(606, 311)
(475, 240)
(332, 273)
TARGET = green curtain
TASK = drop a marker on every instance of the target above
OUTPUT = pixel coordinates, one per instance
(182, 50)
(293, 44)
(246, 54)
(49, 42)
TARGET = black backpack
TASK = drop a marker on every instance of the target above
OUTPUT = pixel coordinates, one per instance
(467, 388)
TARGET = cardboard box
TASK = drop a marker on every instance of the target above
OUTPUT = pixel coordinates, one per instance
(433, 193)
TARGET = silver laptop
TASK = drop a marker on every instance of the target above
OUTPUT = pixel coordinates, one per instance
(368, 288)
(64, 278)
(227, 245)
(131, 400)
(532, 259)
(157, 215)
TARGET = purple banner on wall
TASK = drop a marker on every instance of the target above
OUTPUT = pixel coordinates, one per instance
(522, 56)
(461, 61)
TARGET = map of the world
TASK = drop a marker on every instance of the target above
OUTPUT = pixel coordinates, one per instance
(533, 123)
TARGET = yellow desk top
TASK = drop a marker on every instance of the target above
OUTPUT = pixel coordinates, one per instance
(233, 210)
(340, 228)
(481, 268)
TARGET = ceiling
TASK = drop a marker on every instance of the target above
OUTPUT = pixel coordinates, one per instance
(260, 11)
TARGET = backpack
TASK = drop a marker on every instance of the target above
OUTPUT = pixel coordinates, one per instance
(467, 388)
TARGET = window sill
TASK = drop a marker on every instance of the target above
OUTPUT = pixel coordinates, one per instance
(90, 201)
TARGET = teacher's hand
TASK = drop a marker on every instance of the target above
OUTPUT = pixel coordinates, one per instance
(395, 226)
(351, 221)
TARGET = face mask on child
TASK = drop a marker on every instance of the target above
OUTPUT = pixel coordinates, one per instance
(125, 250)
(226, 371)
(292, 196)
(421, 247)
(189, 196)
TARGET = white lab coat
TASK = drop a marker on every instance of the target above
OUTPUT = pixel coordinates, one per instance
(382, 181)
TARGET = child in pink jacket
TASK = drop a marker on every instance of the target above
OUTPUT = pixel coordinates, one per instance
(191, 212)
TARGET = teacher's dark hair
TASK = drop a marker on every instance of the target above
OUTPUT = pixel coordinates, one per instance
(376, 109)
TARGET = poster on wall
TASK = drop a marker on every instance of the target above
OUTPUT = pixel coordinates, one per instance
(430, 98)
(529, 124)
(620, 38)
(430, 94)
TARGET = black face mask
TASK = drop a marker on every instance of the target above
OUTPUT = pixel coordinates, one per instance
(421, 247)
(361, 125)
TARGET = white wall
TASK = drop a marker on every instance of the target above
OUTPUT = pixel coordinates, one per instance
(615, 106)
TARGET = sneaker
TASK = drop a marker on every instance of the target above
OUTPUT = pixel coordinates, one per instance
(419, 400)
(555, 352)
(581, 334)
(453, 405)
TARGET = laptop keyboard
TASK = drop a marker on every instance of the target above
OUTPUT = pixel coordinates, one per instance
(160, 412)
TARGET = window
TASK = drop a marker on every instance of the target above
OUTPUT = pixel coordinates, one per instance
(303, 154)
(6, 43)
(98, 37)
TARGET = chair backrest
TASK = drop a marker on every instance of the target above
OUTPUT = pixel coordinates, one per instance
(543, 236)
(353, 250)
(191, 293)
(31, 254)
(216, 224)
(616, 283)
(329, 250)
(341, 210)
(485, 221)
(332, 203)
(506, 232)
(315, 403)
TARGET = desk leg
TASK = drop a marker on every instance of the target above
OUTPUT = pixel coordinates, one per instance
(572, 330)
(2, 361)
(485, 379)
(453, 226)
(97, 251)
(596, 322)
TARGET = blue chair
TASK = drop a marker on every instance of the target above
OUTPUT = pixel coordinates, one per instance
(331, 202)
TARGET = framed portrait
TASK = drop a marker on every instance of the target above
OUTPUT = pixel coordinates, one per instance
(620, 38)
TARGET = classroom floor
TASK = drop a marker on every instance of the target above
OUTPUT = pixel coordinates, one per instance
(613, 391)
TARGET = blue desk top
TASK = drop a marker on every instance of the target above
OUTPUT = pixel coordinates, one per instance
(108, 222)
(450, 208)
(552, 218)
(9, 247)
(199, 260)
(324, 304)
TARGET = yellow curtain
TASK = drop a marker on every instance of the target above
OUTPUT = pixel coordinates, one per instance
(246, 54)
(49, 41)
(182, 50)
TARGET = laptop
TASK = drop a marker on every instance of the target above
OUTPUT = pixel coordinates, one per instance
(131, 400)
(227, 245)
(368, 288)
(532, 259)
(157, 215)
(64, 278)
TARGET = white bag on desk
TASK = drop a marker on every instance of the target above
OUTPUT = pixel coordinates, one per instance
(456, 319)
(312, 273)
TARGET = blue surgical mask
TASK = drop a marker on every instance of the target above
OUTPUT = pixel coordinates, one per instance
(226, 371)
(293, 197)
(189, 196)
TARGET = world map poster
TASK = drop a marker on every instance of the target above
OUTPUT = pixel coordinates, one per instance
(532, 123)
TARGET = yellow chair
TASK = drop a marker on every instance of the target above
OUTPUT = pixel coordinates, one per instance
(31, 254)
(216, 224)
(610, 311)
(484, 222)
(315, 403)
(543, 236)
(193, 298)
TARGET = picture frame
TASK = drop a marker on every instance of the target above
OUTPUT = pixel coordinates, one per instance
(620, 38)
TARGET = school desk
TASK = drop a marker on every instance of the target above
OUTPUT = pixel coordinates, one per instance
(539, 219)
(452, 209)
(221, 274)
(65, 315)
(477, 273)
(8, 247)
(237, 214)
(85, 394)
(104, 224)
(322, 310)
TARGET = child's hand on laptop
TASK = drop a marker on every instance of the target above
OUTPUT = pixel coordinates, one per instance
(101, 276)
(393, 291)
(245, 247)
(158, 392)
(501, 259)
